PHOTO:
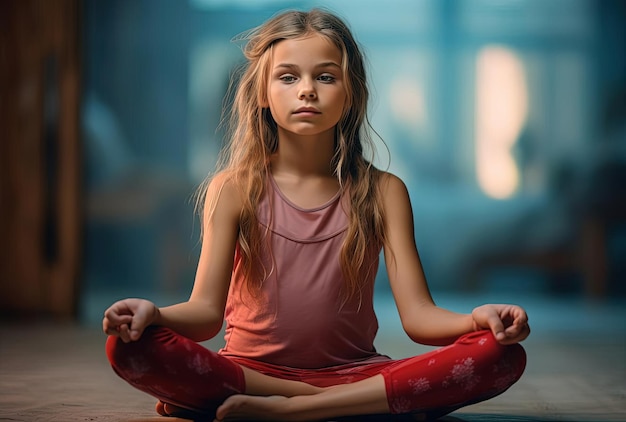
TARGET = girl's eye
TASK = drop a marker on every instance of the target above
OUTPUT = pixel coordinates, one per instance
(326, 78)
(287, 78)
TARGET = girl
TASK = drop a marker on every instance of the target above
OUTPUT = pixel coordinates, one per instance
(292, 229)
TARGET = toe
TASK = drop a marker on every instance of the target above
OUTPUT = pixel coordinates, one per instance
(160, 408)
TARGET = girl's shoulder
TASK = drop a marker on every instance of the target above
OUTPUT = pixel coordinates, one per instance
(396, 207)
(220, 182)
(390, 183)
(393, 191)
(223, 192)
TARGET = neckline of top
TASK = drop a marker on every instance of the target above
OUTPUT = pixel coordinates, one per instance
(327, 204)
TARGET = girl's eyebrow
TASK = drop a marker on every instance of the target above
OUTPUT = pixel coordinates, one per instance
(294, 66)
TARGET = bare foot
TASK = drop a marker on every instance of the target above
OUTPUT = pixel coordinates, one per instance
(242, 407)
(167, 409)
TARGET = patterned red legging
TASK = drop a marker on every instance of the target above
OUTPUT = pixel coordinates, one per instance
(179, 371)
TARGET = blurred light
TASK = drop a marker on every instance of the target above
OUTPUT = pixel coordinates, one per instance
(501, 111)
(408, 102)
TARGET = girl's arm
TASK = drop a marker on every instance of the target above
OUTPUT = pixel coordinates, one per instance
(423, 321)
(201, 317)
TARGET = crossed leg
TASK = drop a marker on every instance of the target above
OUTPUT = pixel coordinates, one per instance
(189, 380)
(367, 396)
(185, 376)
(275, 399)
(473, 369)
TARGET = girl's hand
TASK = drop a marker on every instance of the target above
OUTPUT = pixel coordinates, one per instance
(508, 323)
(128, 318)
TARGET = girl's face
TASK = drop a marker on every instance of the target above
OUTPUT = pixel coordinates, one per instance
(306, 92)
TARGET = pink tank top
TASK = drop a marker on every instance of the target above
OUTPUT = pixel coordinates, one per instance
(299, 320)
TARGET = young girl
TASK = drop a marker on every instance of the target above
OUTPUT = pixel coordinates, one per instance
(292, 229)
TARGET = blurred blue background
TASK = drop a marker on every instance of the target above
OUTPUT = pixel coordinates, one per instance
(506, 119)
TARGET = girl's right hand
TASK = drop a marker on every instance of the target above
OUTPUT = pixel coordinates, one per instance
(128, 318)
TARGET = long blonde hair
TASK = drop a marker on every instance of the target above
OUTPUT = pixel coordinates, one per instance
(252, 138)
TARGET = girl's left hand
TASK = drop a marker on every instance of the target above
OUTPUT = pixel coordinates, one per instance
(508, 323)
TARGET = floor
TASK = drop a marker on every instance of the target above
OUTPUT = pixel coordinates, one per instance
(576, 369)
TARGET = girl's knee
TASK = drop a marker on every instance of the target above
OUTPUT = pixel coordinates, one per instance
(506, 363)
(124, 355)
(473, 369)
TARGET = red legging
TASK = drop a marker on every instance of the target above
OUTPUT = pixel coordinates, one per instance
(184, 373)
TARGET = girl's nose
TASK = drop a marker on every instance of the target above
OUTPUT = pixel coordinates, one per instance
(307, 92)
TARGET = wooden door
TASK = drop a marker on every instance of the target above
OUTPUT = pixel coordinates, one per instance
(40, 218)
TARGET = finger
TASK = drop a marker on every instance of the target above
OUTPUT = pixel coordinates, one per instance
(513, 316)
(138, 324)
(118, 317)
(110, 330)
(135, 333)
(110, 324)
(523, 332)
(520, 335)
(513, 330)
(106, 325)
(515, 313)
(521, 318)
(515, 334)
(124, 333)
(497, 327)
